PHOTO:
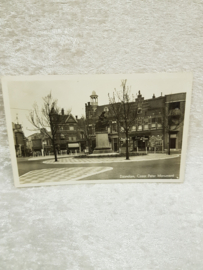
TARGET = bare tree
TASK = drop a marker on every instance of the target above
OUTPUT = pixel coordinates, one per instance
(174, 120)
(83, 125)
(47, 120)
(123, 109)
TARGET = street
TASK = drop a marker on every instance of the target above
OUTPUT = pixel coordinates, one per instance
(148, 167)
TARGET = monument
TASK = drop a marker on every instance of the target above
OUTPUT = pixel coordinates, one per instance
(102, 140)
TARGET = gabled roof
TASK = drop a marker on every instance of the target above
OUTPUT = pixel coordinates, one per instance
(70, 119)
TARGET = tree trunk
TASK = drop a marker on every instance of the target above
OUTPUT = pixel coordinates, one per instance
(54, 148)
(169, 152)
(127, 152)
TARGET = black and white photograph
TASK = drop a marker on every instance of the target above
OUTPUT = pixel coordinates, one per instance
(108, 128)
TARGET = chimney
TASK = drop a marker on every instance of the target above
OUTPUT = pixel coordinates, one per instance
(153, 96)
(62, 111)
(76, 117)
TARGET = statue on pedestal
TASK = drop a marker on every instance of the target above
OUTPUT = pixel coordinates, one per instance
(102, 123)
(102, 140)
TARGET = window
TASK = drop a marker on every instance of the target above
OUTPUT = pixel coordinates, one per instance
(159, 122)
(174, 105)
(139, 123)
(106, 109)
(71, 128)
(72, 138)
(139, 127)
(62, 137)
(61, 128)
(139, 110)
(133, 127)
(153, 125)
(122, 129)
(90, 130)
(146, 124)
(114, 126)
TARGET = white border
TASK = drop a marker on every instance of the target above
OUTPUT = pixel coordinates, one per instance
(6, 79)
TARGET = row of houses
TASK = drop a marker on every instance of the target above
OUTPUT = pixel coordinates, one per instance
(69, 139)
(148, 132)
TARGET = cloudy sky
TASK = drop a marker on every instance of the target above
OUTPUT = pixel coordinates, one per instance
(74, 91)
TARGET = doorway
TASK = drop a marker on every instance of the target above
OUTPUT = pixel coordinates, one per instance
(141, 145)
(173, 143)
(115, 148)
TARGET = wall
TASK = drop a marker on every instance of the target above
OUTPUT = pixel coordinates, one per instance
(103, 226)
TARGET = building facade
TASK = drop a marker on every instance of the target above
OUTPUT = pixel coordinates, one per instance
(150, 130)
(68, 138)
(39, 143)
(19, 140)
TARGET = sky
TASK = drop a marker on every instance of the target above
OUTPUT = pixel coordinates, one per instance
(73, 91)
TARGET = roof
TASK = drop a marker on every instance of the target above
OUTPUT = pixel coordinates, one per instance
(67, 118)
(94, 94)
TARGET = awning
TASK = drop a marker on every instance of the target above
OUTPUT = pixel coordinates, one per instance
(73, 145)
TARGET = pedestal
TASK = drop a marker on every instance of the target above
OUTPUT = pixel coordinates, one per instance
(102, 143)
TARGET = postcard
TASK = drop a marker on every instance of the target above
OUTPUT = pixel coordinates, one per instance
(102, 128)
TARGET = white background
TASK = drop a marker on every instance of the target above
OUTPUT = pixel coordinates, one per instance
(103, 226)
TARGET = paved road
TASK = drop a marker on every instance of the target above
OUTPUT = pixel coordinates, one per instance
(152, 169)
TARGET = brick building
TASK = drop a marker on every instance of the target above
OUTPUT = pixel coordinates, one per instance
(149, 131)
(70, 137)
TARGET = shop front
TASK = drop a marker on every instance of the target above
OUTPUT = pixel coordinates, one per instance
(74, 148)
(140, 143)
(156, 143)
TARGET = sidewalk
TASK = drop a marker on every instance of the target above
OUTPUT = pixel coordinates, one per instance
(60, 175)
(71, 160)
